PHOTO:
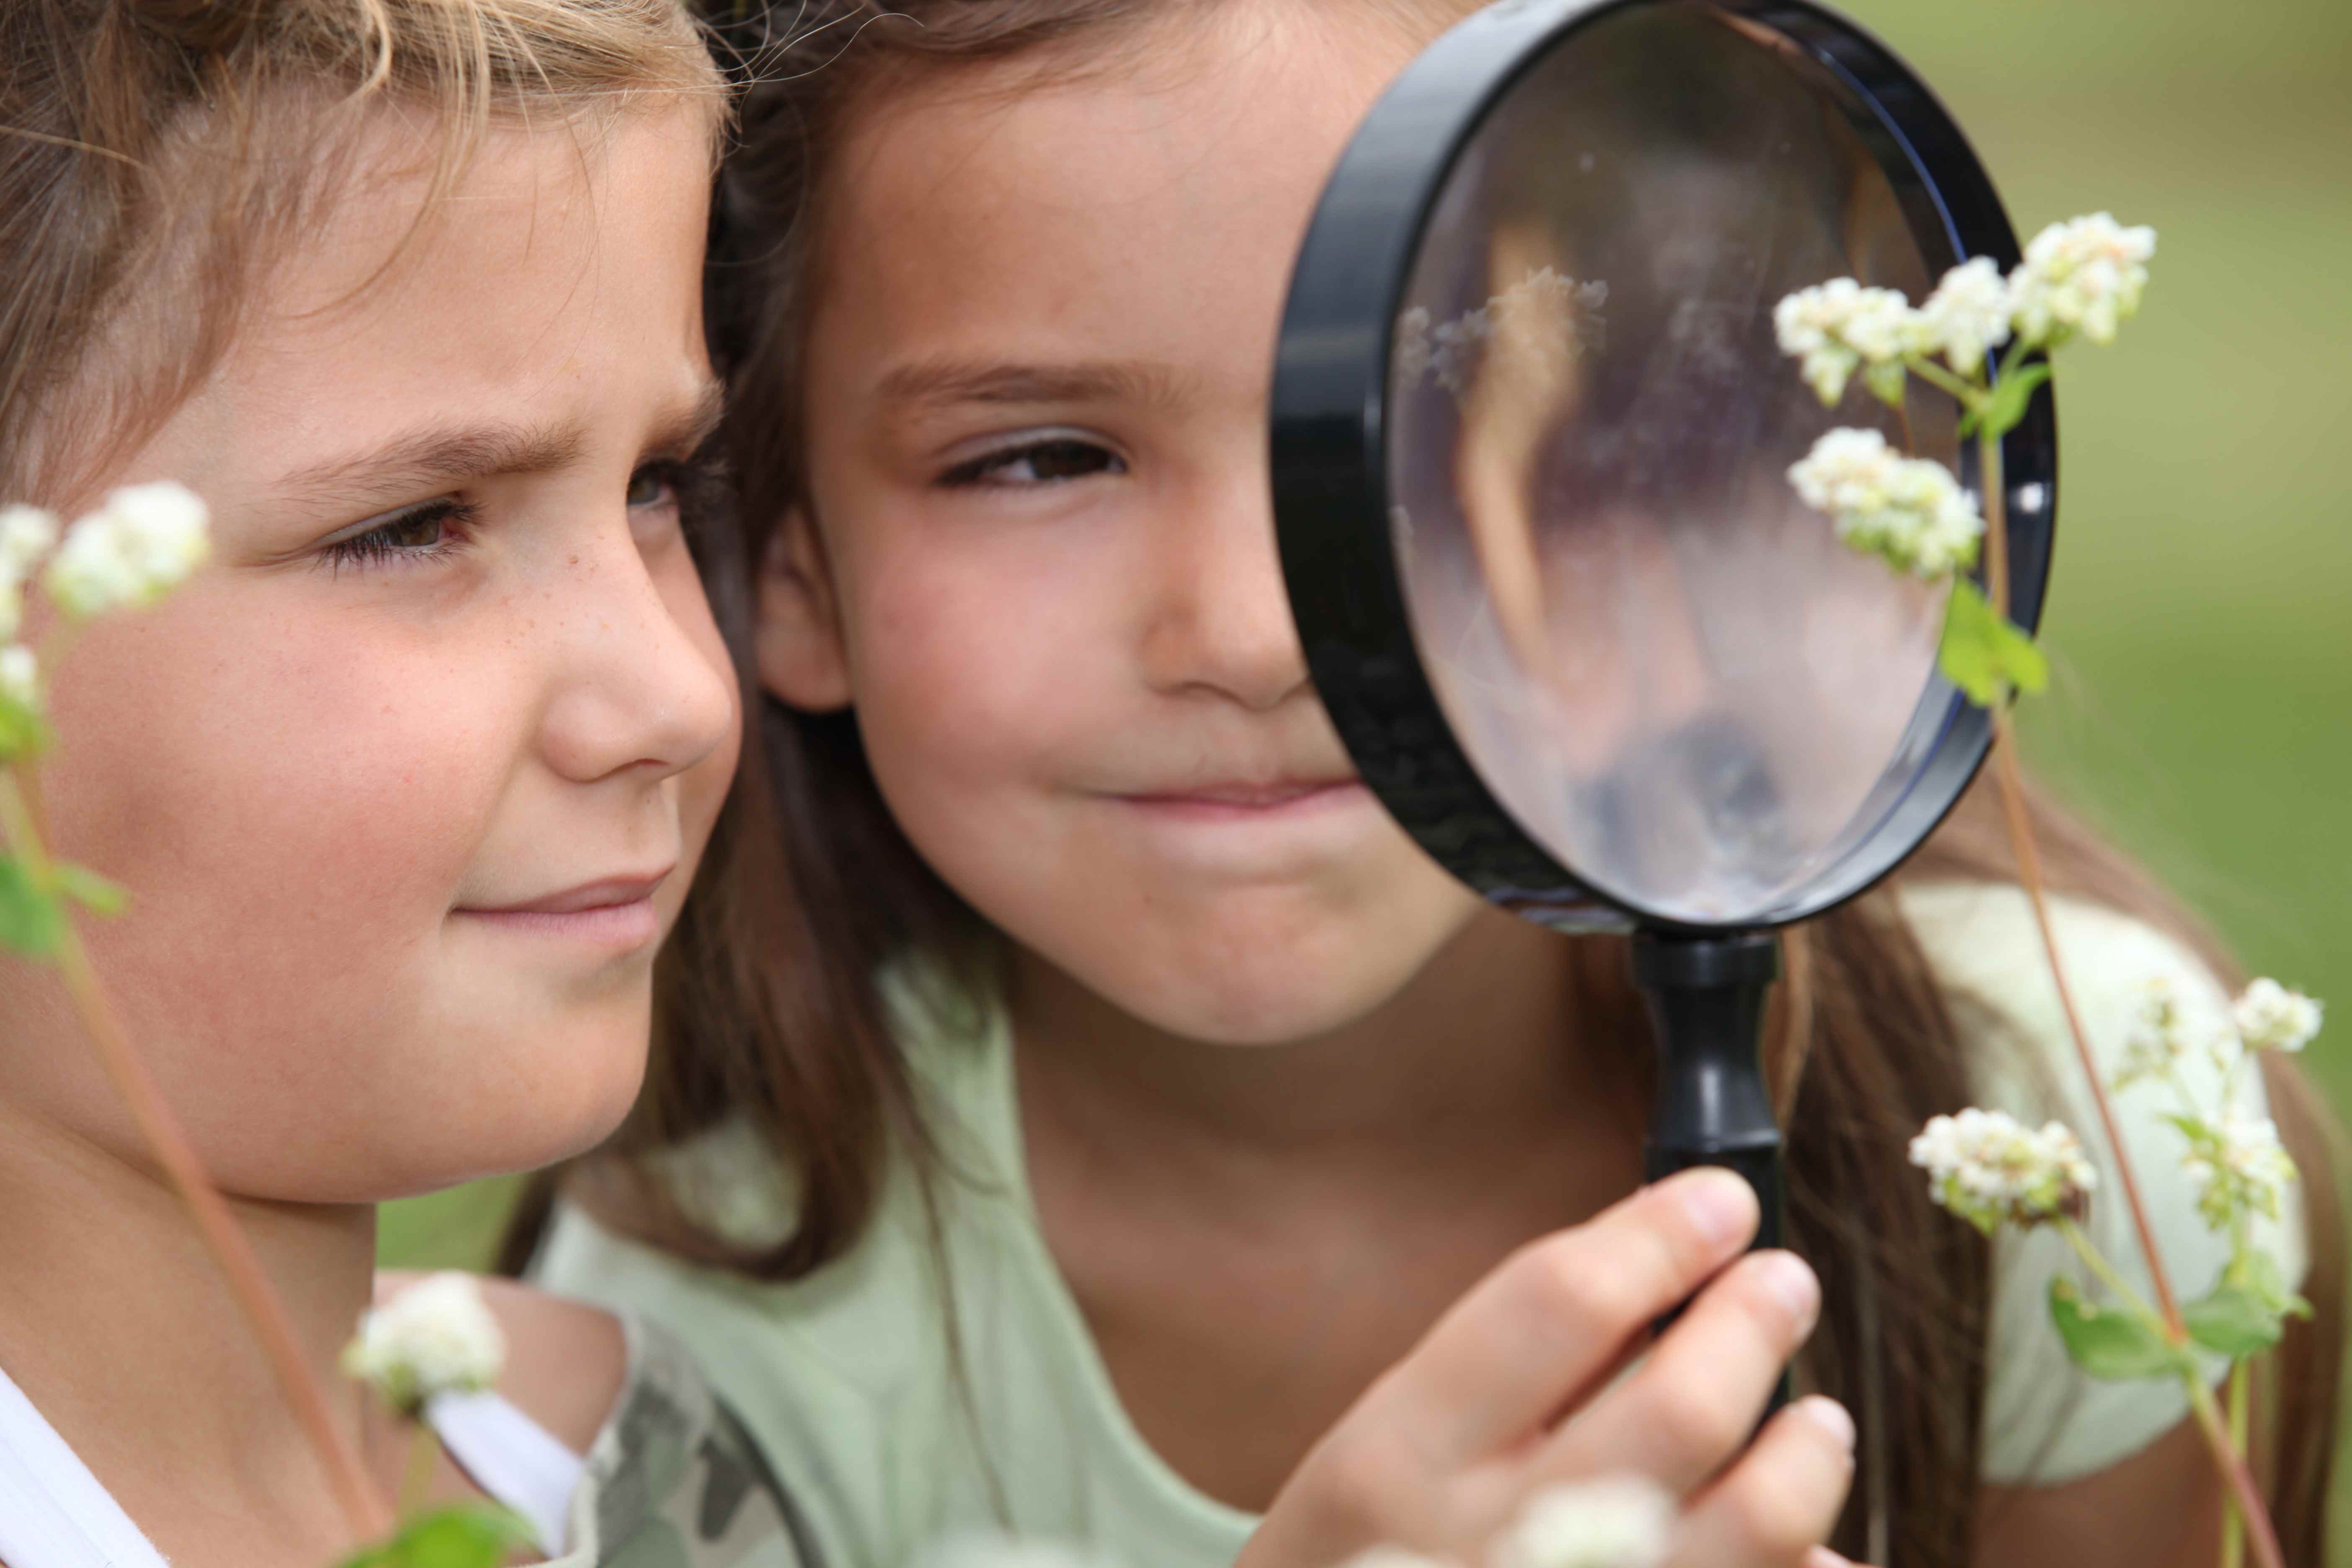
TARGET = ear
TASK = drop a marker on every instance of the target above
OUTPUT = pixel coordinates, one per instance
(799, 648)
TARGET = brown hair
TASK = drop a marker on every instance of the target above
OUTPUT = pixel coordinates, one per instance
(771, 1012)
(156, 156)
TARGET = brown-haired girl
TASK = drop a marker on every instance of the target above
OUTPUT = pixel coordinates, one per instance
(407, 783)
(1249, 1163)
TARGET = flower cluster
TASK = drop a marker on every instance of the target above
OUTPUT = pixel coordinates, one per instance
(2082, 276)
(1909, 510)
(1546, 316)
(2269, 1017)
(1839, 327)
(1623, 1521)
(2160, 1038)
(436, 1337)
(1965, 318)
(2238, 1166)
(145, 539)
(1991, 1169)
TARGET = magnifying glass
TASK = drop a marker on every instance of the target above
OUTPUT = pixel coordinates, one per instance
(1531, 435)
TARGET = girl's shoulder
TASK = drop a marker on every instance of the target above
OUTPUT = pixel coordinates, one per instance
(2046, 1423)
(604, 1431)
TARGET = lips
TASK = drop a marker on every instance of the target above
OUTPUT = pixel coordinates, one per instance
(1245, 796)
(610, 893)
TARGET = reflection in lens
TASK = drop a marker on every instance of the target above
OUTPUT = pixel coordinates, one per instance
(1664, 665)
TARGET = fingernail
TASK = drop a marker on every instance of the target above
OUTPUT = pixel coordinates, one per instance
(1822, 1557)
(1721, 1207)
(1792, 1284)
(1831, 1417)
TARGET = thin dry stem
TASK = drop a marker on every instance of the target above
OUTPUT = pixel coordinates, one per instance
(356, 1492)
(2236, 1474)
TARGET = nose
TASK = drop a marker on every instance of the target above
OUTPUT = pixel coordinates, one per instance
(1220, 620)
(637, 689)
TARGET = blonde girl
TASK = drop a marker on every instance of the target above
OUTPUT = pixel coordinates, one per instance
(408, 782)
(1273, 1191)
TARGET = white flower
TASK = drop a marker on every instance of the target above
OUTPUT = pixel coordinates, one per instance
(2269, 1017)
(2159, 1037)
(142, 542)
(2239, 1166)
(20, 676)
(2084, 275)
(27, 533)
(1907, 511)
(1965, 318)
(1990, 1168)
(1837, 327)
(1613, 1522)
(436, 1337)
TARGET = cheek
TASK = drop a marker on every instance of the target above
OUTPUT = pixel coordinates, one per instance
(982, 663)
(292, 814)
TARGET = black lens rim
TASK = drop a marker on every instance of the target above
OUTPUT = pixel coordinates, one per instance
(1329, 456)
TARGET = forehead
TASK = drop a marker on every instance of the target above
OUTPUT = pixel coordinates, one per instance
(544, 235)
(1130, 201)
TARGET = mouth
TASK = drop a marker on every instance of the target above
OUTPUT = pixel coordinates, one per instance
(615, 912)
(1247, 801)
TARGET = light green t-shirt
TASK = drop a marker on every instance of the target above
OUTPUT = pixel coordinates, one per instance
(845, 1378)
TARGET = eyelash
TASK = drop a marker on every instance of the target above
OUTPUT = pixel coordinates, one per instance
(377, 546)
(980, 472)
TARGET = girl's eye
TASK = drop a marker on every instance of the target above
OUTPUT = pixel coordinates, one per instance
(656, 484)
(420, 533)
(1055, 461)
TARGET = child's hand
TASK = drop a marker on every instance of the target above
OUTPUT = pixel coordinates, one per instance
(1511, 1393)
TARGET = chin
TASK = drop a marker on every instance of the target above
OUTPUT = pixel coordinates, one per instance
(555, 1097)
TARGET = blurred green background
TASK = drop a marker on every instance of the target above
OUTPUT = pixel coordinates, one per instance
(2201, 611)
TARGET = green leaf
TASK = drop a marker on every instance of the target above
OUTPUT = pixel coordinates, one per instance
(467, 1536)
(91, 890)
(1983, 653)
(2113, 1344)
(2235, 1320)
(2005, 409)
(30, 919)
(2265, 1278)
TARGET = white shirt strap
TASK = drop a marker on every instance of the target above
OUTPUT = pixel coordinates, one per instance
(512, 1458)
(53, 1511)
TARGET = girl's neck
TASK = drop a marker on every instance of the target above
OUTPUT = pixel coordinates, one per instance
(1478, 1055)
(1253, 1233)
(123, 1334)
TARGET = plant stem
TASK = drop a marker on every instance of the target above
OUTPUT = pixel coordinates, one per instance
(361, 1505)
(2098, 1265)
(2237, 1476)
(424, 1453)
(2233, 1519)
(2247, 1496)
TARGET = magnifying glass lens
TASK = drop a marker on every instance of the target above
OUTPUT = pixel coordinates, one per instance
(1660, 662)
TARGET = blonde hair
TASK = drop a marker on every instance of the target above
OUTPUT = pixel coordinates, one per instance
(157, 157)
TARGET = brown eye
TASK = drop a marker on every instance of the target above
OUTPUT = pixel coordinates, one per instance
(417, 531)
(421, 533)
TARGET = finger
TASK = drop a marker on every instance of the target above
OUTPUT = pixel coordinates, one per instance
(1687, 1410)
(1778, 1504)
(1529, 1338)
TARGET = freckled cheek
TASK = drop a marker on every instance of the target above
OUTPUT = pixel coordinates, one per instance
(293, 814)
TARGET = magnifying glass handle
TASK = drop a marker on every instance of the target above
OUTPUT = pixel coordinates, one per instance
(1706, 995)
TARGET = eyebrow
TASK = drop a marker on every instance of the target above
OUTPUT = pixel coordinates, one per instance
(936, 383)
(446, 454)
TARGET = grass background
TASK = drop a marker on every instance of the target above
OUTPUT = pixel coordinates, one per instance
(2201, 607)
